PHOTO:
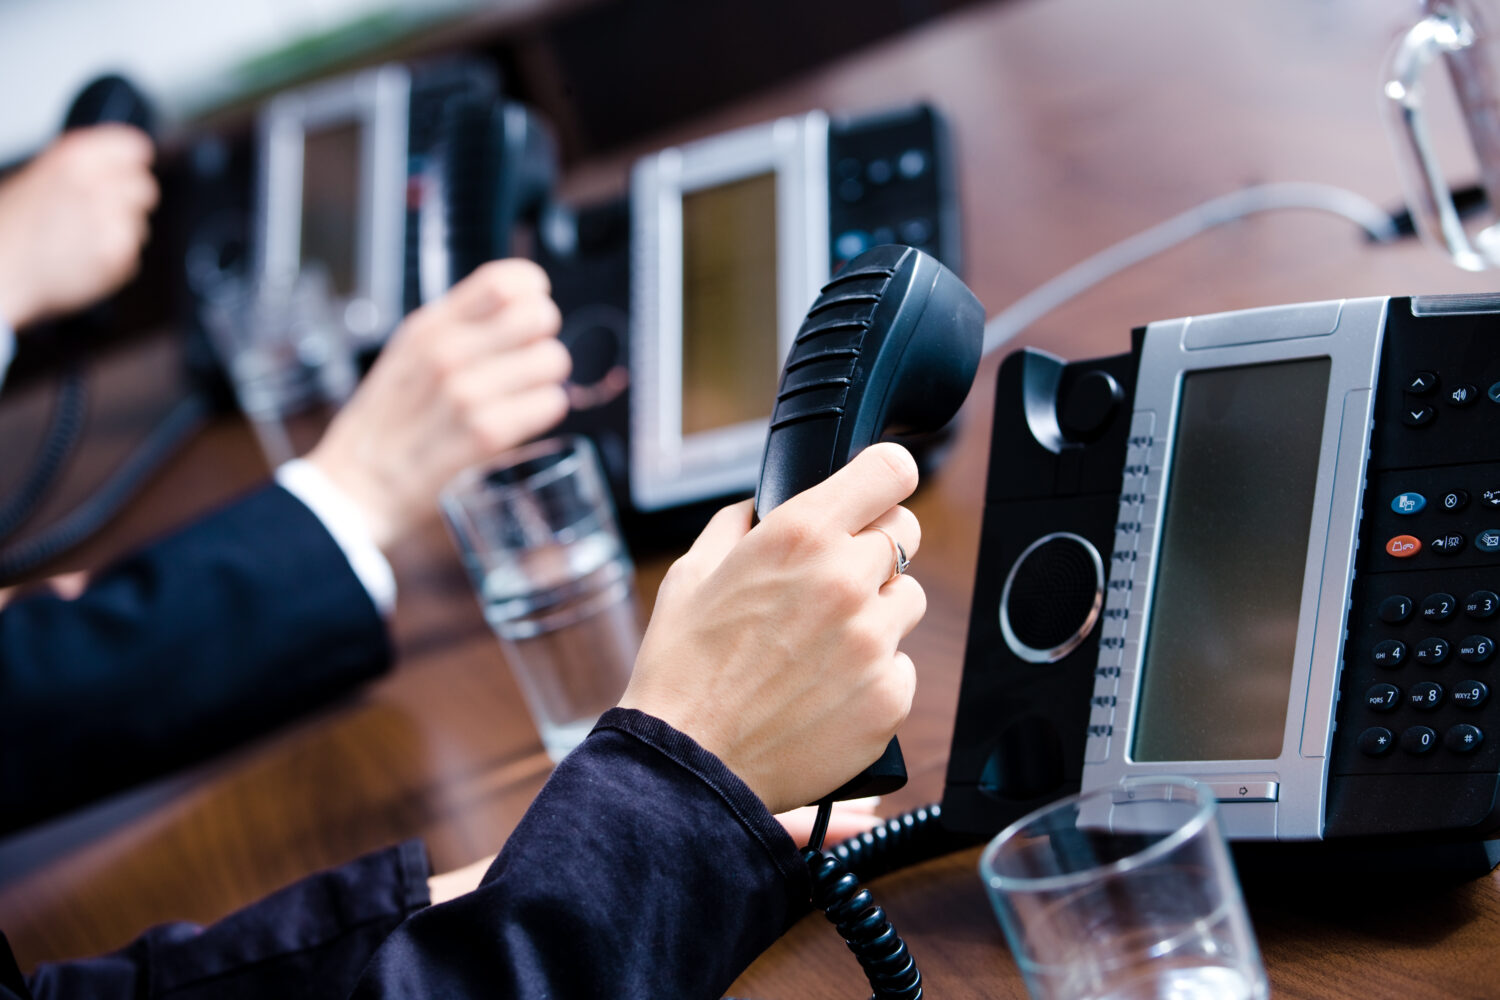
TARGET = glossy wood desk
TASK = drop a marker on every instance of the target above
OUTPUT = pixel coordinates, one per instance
(1079, 122)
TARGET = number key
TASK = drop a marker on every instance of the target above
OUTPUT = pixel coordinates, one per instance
(1439, 607)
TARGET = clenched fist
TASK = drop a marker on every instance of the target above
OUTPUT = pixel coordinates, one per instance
(73, 222)
(464, 378)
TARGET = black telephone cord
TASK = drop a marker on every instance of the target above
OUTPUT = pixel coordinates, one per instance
(904, 840)
(163, 442)
(63, 431)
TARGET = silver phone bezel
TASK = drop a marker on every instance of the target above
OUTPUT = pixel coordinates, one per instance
(668, 468)
(1350, 333)
(380, 100)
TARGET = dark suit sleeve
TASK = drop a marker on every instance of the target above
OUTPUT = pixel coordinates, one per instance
(311, 939)
(644, 868)
(220, 631)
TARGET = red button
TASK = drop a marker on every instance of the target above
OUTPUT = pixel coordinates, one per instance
(1403, 546)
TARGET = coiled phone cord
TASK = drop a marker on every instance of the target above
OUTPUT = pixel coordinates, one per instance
(904, 840)
(62, 435)
(164, 441)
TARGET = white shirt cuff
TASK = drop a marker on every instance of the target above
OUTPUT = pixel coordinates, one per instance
(346, 523)
(7, 348)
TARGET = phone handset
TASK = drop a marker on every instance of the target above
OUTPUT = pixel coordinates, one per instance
(890, 346)
(495, 167)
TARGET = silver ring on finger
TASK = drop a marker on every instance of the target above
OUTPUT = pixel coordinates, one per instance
(899, 560)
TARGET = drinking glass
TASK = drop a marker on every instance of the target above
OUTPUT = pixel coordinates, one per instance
(1125, 893)
(288, 355)
(537, 534)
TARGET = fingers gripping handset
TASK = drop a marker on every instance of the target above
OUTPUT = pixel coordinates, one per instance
(891, 345)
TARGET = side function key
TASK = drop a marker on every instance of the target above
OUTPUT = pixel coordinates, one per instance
(1421, 383)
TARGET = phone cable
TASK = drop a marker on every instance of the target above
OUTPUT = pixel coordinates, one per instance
(1377, 223)
(69, 408)
(180, 423)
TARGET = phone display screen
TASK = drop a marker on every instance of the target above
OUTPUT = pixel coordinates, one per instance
(331, 185)
(1218, 662)
(730, 362)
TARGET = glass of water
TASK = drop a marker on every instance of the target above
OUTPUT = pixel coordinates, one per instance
(1125, 893)
(537, 534)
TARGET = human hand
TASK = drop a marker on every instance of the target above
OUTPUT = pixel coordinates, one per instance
(775, 648)
(464, 378)
(73, 221)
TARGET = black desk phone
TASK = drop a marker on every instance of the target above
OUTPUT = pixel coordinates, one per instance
(681, 301)
(1262, 549)
(399, 180)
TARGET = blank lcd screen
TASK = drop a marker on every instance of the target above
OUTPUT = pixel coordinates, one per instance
(331, 186)
(729, 308)
(1223, 625)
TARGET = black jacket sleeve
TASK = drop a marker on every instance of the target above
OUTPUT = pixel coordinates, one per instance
(644, 868)
(220, 631)
(311, 939)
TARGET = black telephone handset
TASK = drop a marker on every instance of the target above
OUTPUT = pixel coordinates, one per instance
(496, 167)
(107, 99)
(890, 346)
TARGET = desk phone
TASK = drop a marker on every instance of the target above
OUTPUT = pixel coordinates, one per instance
(1262, 549)
(681, 301)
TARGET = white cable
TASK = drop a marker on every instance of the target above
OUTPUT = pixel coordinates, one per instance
(1041, 300)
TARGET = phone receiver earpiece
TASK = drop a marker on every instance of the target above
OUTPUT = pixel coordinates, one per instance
(111, 98)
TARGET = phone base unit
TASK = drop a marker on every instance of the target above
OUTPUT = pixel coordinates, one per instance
(681, 302)
(1261, 550)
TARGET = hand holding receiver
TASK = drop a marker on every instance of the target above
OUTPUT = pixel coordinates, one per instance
(890, 346)
(73, 222)
(464, 378)
(775, 647)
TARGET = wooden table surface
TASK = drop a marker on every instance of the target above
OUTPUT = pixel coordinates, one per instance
(1078, 123)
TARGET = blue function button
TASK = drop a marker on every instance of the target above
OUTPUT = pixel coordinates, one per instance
(1470, 694)
(1383, 697)
(1495, 393)
(1475, 648)
(913, 164)
(1389, 653)
(851, 243)
(1425, 696)
(1454, 501)
(1408, 503)
(1488, 540)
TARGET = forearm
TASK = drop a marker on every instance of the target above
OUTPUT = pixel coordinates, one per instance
(213, 634)
(644, 868)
